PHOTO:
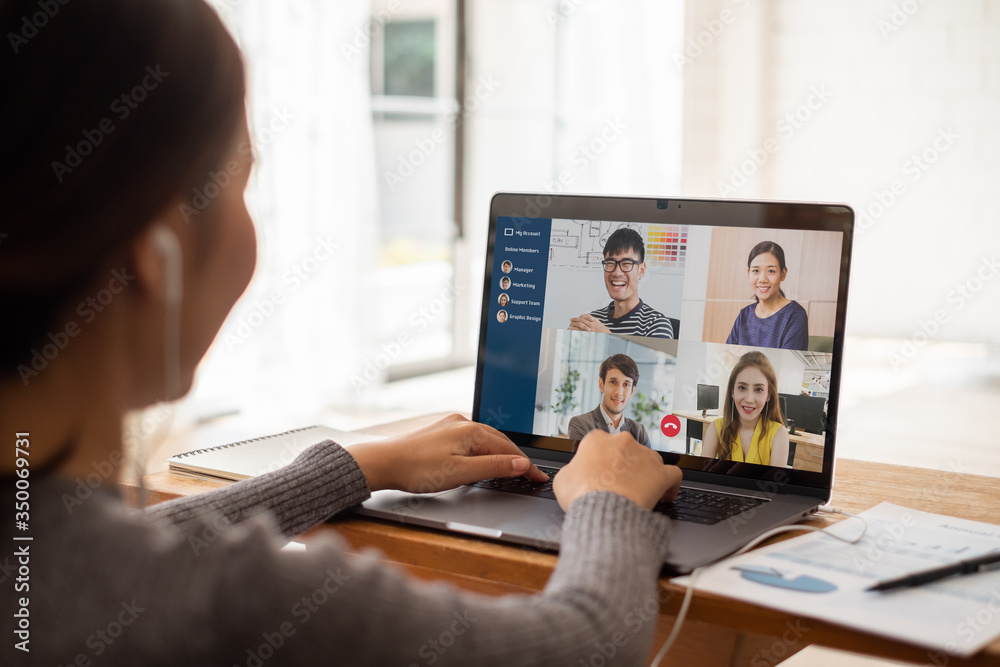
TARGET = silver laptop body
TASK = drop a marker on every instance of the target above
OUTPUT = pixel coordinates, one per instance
(550, 248)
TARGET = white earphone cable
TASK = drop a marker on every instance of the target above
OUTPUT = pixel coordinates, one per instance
(689, 593)
(169, 247)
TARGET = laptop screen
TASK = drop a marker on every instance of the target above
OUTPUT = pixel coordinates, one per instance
(710, 330)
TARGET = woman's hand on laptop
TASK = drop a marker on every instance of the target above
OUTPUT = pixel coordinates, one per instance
(448, 453)
(617, 463)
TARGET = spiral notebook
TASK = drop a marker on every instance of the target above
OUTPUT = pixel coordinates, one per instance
(249, 458)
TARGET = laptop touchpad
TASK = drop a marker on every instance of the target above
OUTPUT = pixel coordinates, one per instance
(508, 512)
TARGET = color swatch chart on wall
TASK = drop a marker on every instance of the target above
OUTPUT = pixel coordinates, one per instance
(666, 245)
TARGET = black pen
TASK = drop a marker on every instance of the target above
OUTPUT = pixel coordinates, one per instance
(968, 566)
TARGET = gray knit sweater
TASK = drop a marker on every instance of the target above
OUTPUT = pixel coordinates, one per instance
(202, 581)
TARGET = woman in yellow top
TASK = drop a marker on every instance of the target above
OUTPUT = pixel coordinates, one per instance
(751, 429)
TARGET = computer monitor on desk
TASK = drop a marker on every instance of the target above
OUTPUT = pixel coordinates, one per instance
(804, 413)
(708, 398)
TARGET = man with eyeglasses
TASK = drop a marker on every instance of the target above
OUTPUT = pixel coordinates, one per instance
(624, 265)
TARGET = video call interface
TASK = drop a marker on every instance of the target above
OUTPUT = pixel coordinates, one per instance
(712, 342)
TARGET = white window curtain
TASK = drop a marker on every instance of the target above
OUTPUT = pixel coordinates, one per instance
(588, 100)
(619, 95)
(288, 348)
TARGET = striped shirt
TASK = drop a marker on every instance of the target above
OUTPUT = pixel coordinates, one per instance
(640, 321)
(787, 329)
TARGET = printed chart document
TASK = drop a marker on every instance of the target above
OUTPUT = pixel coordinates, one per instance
(820, 577)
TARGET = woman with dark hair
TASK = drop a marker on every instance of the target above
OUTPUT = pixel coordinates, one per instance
(772, 320)
(114, 281)
(751, 429)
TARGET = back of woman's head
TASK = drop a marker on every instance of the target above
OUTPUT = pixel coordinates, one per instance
(111, 110)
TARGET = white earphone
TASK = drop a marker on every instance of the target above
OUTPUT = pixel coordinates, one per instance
(169, 247)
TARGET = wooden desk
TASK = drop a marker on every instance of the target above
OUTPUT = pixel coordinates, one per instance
(808, 446)
(718, 631)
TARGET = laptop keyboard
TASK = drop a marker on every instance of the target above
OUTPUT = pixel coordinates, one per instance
(706, 507)
(693, 505)
(522, 485)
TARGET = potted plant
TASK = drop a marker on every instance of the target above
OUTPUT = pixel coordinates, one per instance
(566, 403)
(646, 408)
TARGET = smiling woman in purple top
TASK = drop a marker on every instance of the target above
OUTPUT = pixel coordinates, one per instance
(773, 320)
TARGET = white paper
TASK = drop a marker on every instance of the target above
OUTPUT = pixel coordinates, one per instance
(958, 615)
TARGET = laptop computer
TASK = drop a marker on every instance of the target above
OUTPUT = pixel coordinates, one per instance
(545, 384)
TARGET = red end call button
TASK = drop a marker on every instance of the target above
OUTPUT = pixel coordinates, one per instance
(670, 425)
